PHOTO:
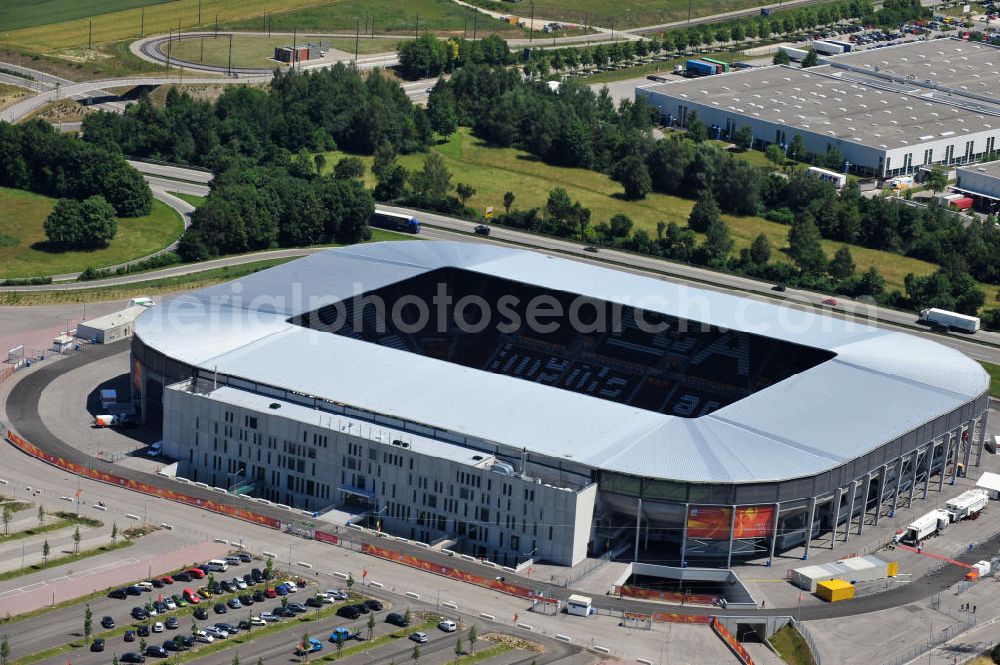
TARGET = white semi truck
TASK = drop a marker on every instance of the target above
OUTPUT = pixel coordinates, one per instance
(967, 504)
(930, 524)
(951, 320)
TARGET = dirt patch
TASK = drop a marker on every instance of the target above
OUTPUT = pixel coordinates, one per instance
(11, 94)
(64, 110)
(513, 642)
(209, 92)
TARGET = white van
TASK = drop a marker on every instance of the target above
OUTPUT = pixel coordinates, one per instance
(141, 301)
(218, 565)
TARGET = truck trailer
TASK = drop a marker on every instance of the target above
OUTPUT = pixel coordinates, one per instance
(950, 320)
(962, 203)
(701, 68)
(826, 48)
(718, 63)
(967, 504)
(796, 54)
(930, 524)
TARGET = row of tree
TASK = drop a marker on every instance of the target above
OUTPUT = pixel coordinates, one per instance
(35, 157)
(316, 111)
(429, 56)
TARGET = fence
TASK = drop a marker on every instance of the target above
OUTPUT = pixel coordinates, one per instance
(807, 636)
(934, 639)
(585, 570)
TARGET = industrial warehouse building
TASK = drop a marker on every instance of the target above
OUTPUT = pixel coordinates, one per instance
(982, 183)
(888, 111)
(673, 424)
(110, 327)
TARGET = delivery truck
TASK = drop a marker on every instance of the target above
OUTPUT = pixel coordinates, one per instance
(968, 504)
(930, 524)
(962, 203)
(950, 320)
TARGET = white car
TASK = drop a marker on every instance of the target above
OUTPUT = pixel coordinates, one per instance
(257, 621)
(448, 626)
(418, 637)
(324, 598)
(268, 617)
(158, 627)
(202, 636)
(241, 584)
(290, 585)
(145, 586)
(336, 594)
(216, 633)
(169, 602)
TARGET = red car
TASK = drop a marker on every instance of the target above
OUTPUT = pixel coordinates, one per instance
(270, 592)
(167, 579)
(196, 573)
(191, 597)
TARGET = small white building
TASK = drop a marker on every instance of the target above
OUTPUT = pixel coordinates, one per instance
(990, 482)
(110, 327)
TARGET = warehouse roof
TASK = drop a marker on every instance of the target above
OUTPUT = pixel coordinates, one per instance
(832, 102)
(879, 386)
(990, 169)
(967, 67)
(114, 319)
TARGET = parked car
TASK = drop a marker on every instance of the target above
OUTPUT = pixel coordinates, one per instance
(97, 644)
(270, 592)
(139, 614)
(397, 619)
(134, 591)
(182, 577)
(170, 603)
(258, 621)
(157, 583)
(228, 627)
(196, 573)
(156, 651)
(269, 617)
(120, 594)
(158, 627)
(258, 575)
(281, 590)
(246, 599)
(373, 604)
(234, 603)
(216, 633)
(203, 636)
(244, 625)
(132, 657)
(248, 578)
(297, 608)
(191, 597)
(448, 626)
(314, 602)
(482, 230)
(167, 579)
(172, 623)
(349, 612)
(143, 630)
(259, 597)
(240, 583)
(129, 635)
(244, 557)
(312, 646)
(364, 609)
(220, 608)
(201, 614)
(418, 637)
(233, 560)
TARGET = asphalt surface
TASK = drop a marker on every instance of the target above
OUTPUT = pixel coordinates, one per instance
(23, 412)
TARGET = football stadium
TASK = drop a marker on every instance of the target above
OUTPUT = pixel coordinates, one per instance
(518, 406)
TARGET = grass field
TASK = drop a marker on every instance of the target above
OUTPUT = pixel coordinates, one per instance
(193, 199)
(10, 94)
(994, 372)
(493, 171)
(78, 64)
(258, 51)
(792, 648)
(16, 15)
(631, 14)
(22, 215)
(390, 16)
(659, 67)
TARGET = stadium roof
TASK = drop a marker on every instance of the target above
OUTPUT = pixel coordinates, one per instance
(881, 384)
(832, 102)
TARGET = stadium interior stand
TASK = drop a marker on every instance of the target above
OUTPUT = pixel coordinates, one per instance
(606, 350)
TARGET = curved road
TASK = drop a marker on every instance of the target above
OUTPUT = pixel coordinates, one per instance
(23, 412)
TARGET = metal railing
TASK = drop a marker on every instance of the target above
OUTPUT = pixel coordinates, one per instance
(934, 639)
(807, 636)
(577, 575)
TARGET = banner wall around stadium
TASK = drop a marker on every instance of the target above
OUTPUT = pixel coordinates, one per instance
(712, 522)
(136, 486)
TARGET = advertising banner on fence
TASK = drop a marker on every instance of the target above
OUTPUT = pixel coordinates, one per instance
(731, 642)
(324, 537)
(667, 596)
(754, 522)
(708, 522)
(145, 488)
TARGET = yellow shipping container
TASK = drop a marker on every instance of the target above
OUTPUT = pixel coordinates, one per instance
(893, 568)
(834, 590)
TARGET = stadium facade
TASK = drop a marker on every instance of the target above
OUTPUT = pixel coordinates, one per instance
(887, 111)
(527, 406)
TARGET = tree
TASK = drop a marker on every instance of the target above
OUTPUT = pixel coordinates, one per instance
(458, 648)
(465, 192)
(319, 161)
(811, 59)
(269, 568)
(305, 645)
(284, 601)
(775, 154)
(704, 212)
(842, 265)
(76, 540)
(937, 179)
(633, 174)
(41, 515)
(508, 201)
(210, 582)
(696, 129)
(349, 168)
(718, 243)
(760, 250)
(871, 283)
(433, 182)
(114, 660)
(236, 659)
(621, 226)
(4, 650)
(781, 58)
(350, 581)
(340, 648)
(473, 637)
(114, 534)
(743, 137)
(86, 224)
(797, 148)
(45, 552)
(8, 515)
(422, 57)
(371, 625)
(143, 644)
(441, 111)
(804, 246)
(88, 624)
(407, 616)
(416, 654)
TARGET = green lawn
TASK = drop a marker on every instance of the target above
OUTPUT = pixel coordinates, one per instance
(658, 67)
(493, 171)
(994, 372)
(192, 199)
(22, 215)
(258, 51)
(390, 16)
(16, 14)
(631, 14)
(792, 648)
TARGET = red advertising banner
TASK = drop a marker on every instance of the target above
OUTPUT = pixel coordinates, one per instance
(731, 642)
(145, 488)
(324, 537)
(708, 522)
(673, 617)
(666, 596)
(754, 522)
